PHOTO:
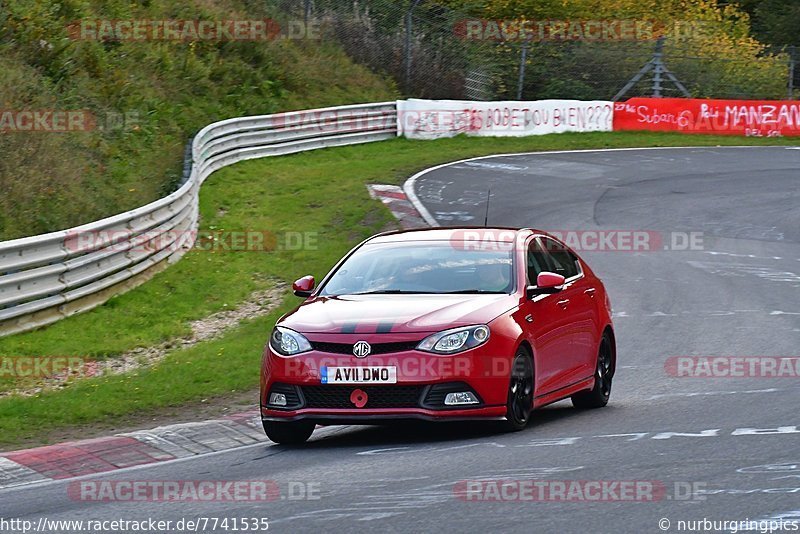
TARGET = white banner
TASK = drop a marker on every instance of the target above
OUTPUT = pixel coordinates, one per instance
(433, 119)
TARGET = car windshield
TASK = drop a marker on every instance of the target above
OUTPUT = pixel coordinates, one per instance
(422, 267)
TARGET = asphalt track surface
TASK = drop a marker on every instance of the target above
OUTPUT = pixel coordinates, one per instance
(735, 440)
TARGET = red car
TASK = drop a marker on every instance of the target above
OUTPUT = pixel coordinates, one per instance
(440, 324)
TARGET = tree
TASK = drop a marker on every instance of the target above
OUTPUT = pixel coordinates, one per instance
(778, 22)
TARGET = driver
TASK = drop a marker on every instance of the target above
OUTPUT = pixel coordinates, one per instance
(494, 276)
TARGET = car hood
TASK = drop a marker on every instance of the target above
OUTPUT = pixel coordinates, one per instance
(362, 314)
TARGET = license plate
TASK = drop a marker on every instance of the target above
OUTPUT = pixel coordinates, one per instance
(359, 375)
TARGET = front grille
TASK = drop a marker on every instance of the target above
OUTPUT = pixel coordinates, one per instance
(434, 398)
(377, 348)
(293, 399)
(377, 396)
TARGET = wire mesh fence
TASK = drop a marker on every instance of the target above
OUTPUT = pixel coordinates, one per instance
(436, 52)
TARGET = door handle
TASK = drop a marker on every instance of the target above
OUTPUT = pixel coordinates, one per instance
(591, 291)
(563, 303)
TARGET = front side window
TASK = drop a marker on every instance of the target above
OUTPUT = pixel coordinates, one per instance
(564, 261)
(537, 261)
(423, 267)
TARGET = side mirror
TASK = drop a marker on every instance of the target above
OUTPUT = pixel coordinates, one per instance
(546, 284)
(304, 286)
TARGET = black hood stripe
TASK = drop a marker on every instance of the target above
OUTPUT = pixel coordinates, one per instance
(349, 328)
(384, 328)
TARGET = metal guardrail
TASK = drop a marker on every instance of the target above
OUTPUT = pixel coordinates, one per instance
(48, 277)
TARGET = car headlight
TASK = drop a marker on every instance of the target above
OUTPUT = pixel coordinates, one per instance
(455, 340)
(288, 342)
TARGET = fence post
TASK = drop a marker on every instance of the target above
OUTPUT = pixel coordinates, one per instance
(523, 58)
(658, 63)
(792, 66)
(409, 23)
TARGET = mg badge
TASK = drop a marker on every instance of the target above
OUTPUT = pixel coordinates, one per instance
(361, 349)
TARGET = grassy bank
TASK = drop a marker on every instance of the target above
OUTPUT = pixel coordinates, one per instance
(322, 192)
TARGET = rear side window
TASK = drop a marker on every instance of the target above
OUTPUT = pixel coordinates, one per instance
(564, 261)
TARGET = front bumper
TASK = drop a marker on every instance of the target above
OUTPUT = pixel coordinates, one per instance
(423, 379)
(379, 416)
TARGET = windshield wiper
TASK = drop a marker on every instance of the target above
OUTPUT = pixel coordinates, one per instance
(394, 292)
(404, 292)
(473, 292)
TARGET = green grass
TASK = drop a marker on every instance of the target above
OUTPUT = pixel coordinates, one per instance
(322, 191)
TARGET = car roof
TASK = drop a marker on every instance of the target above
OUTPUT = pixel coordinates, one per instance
(453, 233)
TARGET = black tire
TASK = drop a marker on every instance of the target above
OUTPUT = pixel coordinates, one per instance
(290, 432)
(598, 396)
(520, 392)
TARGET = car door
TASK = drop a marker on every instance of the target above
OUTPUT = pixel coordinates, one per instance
(547, 325)
(578, 301)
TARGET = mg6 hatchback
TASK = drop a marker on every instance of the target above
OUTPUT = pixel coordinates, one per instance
(440, 324)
